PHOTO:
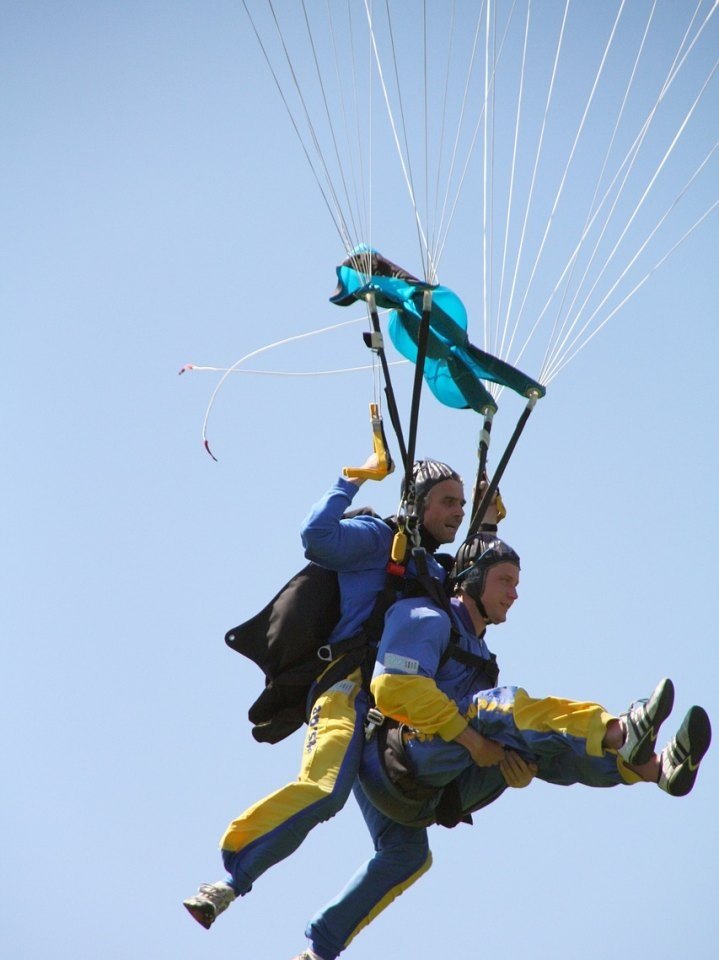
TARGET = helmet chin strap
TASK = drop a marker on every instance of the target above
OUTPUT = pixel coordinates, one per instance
(476, 595)
(483, 610)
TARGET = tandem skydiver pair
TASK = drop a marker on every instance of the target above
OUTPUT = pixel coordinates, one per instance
(455, 725)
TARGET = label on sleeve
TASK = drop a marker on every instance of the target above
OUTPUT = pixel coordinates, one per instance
(393, 661)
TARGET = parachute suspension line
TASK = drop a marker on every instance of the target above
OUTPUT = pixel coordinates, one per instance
(492, 181)
(570, 159)
(249, 356)
(443, 230)
(428, 266)
(533, 181)
(328, 115)
(407, 174)
(368, 194)
(343, 230)
(499, 346)
(493, 485)
(684, 49)
(485, 150)
(333, 208)
(450, 218)
(513, 167)
(363, 132)
(640, 204)
(554, 345)
(354, 142)
(426, 131)
(557, 330)
(422, 240)
(560, 361)
(637, 286)
(432, 232)
(626, 166)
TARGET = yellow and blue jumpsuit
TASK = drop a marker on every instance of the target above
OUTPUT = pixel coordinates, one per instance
(358, 549)
(438, 698)
(563, 737)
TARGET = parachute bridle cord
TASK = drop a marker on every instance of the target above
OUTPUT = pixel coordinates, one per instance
(249, 356)
(490, 492)
(287, 373)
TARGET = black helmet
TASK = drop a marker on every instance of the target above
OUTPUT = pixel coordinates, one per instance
(474, 558)
(427, 474)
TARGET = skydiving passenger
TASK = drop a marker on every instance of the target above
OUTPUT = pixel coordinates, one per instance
(453, 727)
(358, 548)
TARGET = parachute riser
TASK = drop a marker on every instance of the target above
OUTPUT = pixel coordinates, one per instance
(422, 340)
(491, 490)
(375, 342)
(407, 517)
(482, 453)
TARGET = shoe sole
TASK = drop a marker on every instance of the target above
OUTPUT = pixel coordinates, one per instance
(644, 750)
(204, 913)
(699, 732)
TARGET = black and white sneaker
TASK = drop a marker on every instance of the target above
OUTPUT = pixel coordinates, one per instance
(643, 721)
(679, 760)
(209, 902)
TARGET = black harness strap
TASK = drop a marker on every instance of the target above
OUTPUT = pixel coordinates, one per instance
(487, 666)
(400, 772)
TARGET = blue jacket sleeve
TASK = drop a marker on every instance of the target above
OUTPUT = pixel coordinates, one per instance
(415, 636)
(358, 543)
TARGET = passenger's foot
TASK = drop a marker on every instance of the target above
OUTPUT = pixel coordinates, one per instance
(209, 902)
(643, 721)
(679, 760)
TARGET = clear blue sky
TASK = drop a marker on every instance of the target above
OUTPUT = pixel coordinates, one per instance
(156, 210)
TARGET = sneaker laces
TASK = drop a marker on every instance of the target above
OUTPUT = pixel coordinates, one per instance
(221, 895)
(674, 754)
(635, 722)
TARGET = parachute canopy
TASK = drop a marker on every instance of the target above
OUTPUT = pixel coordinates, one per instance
(570, 146)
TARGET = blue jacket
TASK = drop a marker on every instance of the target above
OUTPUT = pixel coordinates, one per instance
(358, 548)
(410, 681)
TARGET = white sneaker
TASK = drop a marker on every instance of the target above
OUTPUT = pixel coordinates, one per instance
(642, 723)
(209, 902)
(679, 760)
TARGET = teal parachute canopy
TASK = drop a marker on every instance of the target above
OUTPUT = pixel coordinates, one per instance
(453, 367)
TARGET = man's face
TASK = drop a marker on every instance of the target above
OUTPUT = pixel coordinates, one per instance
(500, 591)
(444, 510)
